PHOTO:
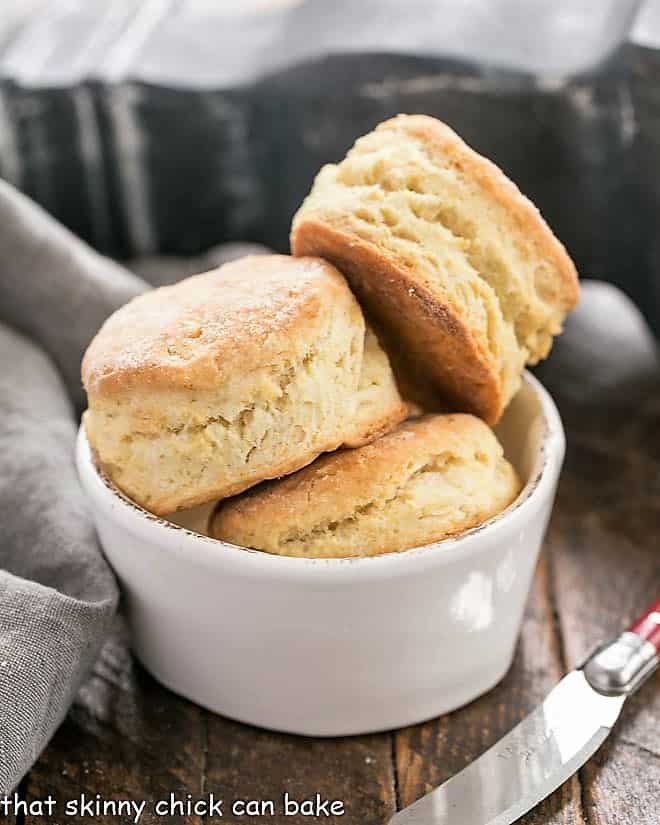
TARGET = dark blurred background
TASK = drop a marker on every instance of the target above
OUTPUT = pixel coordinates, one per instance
(169, 126)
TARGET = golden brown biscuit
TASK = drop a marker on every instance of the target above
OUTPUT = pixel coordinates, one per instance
(455, 265)
(379, 405)
(202, 389)
(431, 478)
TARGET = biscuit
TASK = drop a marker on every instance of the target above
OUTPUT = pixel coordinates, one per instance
(379, 405)
(455, 265)
(431, 478)
(199, 390)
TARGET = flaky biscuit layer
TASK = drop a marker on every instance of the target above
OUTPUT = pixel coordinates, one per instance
(431, 478)
(458, 268)
(200, 390)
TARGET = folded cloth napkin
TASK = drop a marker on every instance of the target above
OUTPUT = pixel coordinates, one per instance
(57, 594)
(53, 287)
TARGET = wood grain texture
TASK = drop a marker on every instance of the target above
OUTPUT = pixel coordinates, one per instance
(126, 738)
(605, 533)
(129, 738)
(427, 755)
(622, 785)
(248, 763)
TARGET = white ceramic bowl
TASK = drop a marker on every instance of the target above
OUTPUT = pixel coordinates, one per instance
(328, 647)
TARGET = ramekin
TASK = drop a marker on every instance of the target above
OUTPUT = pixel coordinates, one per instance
(329, 647)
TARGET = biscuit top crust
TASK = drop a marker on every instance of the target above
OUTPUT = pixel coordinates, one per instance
(234, 319)
(339, 484)
(491, 179)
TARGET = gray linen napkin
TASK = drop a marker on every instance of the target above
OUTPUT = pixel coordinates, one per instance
(53, 287)
(57, 594)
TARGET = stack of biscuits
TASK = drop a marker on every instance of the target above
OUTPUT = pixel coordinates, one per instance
(350, 388)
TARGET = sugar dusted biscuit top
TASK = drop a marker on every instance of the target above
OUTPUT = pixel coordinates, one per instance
(200, 390)
(207, 328)
(458, 268)
(431, 478)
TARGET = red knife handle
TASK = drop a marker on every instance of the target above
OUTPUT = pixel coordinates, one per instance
(647, 626)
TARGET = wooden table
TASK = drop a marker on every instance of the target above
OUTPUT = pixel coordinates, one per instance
(127, 737)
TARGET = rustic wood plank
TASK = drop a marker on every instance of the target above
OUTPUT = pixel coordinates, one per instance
(126, 738)
(428, 754)
(606, 532)
(129, 738)
(622, 785)
(606, 568)
(605, 573)
(19, 793)
(246, 763)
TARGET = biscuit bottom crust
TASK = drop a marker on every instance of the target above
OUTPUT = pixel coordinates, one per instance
(447, 256)
(432, 478)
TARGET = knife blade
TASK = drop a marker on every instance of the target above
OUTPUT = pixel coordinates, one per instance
(550, 744)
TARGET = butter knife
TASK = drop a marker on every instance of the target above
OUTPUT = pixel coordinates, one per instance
(550, 744)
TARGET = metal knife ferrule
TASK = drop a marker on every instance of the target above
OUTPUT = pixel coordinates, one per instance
(552, 742)
(620, 667)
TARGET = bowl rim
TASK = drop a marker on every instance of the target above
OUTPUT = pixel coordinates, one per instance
(194, 548)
